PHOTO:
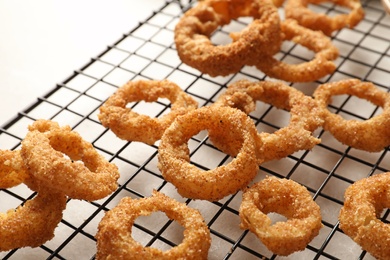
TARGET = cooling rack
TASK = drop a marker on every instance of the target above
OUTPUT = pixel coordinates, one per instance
(148, 52)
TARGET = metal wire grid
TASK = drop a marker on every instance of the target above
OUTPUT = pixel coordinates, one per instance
(148, 52)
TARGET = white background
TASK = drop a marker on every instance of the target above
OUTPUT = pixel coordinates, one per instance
(44, 41)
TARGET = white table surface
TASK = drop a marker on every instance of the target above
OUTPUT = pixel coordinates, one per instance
(44, 41)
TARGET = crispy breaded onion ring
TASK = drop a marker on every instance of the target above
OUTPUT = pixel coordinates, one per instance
(214, 184)
(85, 175)
(12, 170)
(114, 240)
(297, 135)
(33, 223)
(359, 217)
(261, 37)
(131, 126)
(321, 65)
(298, 10)
(370, 135)
(289, 199)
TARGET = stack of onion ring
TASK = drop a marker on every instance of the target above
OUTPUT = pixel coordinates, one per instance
(370, 135)
(359, 217)
(40, 164)
(85, 175)
(299, 11)
(114, 240)
(34, 222)
(260, 38)
(298, 135)
(289, 199)
(321, 65)
(192, 182)
(131, 126)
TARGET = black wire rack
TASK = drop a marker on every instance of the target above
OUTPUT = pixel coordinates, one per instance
(148, 52)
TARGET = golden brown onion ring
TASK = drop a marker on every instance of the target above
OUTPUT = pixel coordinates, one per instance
(261, 37)
(131, 126)
(370, 135)
(321, 65)
(85, 175)
(33, 223)
(359, 217)
(298, 10)
(297, 135)
(289, 199)
(114, 240)
(214, 184)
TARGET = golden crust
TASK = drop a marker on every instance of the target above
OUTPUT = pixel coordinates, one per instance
(114, 240)
(261, 37)
(192, 182)
(289, 199)
(86, 175)
(363, 203)
(131, 126)
(370, 135)
(321, 65)
(299, 11)
(306, 117)
(12, 170)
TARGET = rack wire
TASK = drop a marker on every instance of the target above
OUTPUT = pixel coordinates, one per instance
(148, 52)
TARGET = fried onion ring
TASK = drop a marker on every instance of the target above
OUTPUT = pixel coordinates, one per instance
(33, 223)
(12, 170)
(359, 217)
(297, 135)
(289, 199)
(370, 135)
(131, 126)
(299, 11)
(260, 38)
(87, 175)
(215, 184)
(321, 65)
(114, 240)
